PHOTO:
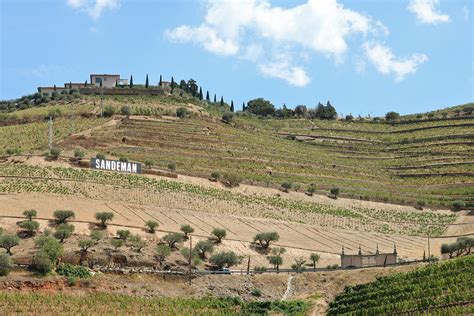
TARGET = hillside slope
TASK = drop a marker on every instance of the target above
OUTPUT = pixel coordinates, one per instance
(446, 288)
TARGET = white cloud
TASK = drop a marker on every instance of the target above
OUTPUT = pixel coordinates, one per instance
(94, 8)
(425, 11)
(241, 27)
(387, 63)
(283, 69)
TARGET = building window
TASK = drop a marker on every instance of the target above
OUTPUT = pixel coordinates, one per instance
(98, 80)
(105, 78)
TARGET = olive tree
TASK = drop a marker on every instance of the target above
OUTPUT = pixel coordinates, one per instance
(204, 246)
(224, 259)
(219, 234)
(104, 217)
(5, 264)
(29, 214)
(276, 258)
(30, 227)
(137, 243)
(186, 229)
(265, 238)
(151, 225)
(162, 251)
(8, 241)
(123, 234)
(314, 257)
(62, 216)
(63, 232)
(172, 239)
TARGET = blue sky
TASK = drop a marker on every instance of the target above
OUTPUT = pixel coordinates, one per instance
(365, 56)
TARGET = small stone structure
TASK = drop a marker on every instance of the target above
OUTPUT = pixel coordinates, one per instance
(360, 260)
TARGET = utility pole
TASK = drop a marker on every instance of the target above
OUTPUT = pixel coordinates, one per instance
(248, 266)
(429, 250)
(50, 133)
(190, 255)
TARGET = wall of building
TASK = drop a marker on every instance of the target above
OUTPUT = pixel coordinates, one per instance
(108, 81)
(359, 261)
(120, 91)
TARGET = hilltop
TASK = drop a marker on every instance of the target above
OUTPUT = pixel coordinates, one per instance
(319, 182)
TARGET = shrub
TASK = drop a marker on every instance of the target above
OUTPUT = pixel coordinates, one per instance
(335, 192)
(52, 248)
(42, 263)
(149, 164)
(117, 243)
(182, 112)
(96, 235)
(108, 111)
(264, 239)
(69, 270)
(349, 118)
(104, 217)
(204, 246)
(215, 175)
(71, 281)
(64, 231)
(125, 110)
(260, 269)
(186, 229)
(8, 241)
(392, 116)
(123, 234)
(162, 251)
(224, 259)
(227, 117)
(420, 204)
(29, 214)
(299, 265)
(458, 205)
(151, 225)
(29, 226)
(78, 153)
(62, 216)
(137, 242)
(100, 156)
(256, 292)
(172, 239)
(55, 153)
(5, 264)
(231, 180)
(311, 189)
(123, 159)
(85, 244)
(219, 234)
(172, 167)
(286, 186)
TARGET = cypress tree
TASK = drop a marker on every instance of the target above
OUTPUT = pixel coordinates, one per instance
(200, 93)
(85, 83)
(215, 100)
(232, 106)
(208, 99)
(172, 85)
(70, 84)
(101, 83)
(54, 88)
(243, 106)
(146, 81)
(116, 83)
(131, 81)
(222, 101)
(161, 82)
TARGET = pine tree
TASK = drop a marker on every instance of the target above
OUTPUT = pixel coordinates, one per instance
(208, 99)
(131, 81)
(161, 82)
(222, 101)
(146, 81)
(200, 93)
(232, 106)
(215, 99)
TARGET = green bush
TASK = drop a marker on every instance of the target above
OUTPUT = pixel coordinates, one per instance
(69, 270)
(29, 214)
(104, 217)
(231, 180)
(100, 156)
(227, 117)
(182, 112)
(215, 175)
(126, 110)
(63, 232)
(172, 167)
(8, 241)
(78, 153)
(151, 225)
(108, 111)
(55, 153)
(71, 281)
(335, 192)
(5, 264)
(256, 292)
(123, 234)
(224, 259)
(42, 263)
(458, 205)
(62, 216)
(219, 234)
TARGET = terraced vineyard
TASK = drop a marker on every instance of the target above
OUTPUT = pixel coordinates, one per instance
(145, 190)
(446, 288)
(405, 163)
(100, 304)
